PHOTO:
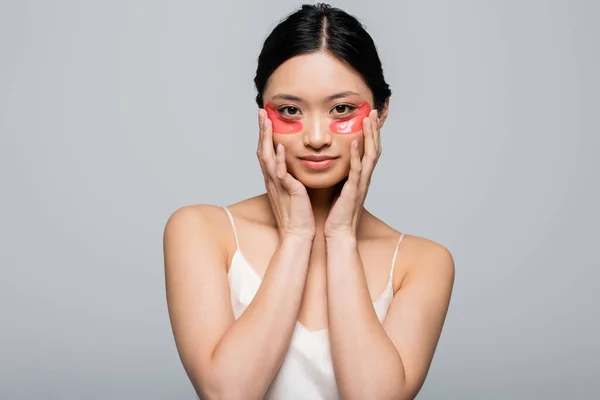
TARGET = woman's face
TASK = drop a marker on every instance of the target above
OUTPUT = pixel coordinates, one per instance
(316, 104)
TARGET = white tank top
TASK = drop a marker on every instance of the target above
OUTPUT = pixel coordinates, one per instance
(307, 369)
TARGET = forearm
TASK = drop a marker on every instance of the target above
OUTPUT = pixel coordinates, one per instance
(251, 351)
(366, 362)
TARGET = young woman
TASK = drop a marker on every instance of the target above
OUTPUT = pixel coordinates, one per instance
(301, 293)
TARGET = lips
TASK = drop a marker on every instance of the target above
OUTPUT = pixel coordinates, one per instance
(317, 158)
(318, 162)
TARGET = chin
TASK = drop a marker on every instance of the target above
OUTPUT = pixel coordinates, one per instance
(320, 181)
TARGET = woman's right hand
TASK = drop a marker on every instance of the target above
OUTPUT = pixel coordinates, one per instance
(289, 200)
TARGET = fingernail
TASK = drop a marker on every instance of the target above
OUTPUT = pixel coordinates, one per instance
(355, 144)
(279, 148)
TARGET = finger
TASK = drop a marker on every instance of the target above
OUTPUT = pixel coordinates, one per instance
(259, 145)
(268, 155)
(291, 185)
(264, 145)
(261, 116)
(355, 169)
(260, 129)
(369, 142)
(376, 132)
(370, 152)
(261, 120)
(281, 169)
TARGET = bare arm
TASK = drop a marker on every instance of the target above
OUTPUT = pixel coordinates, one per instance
(388, 361)
(372, 360)
(223, 357)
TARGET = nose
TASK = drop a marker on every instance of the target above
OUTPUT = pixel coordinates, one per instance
(316, 134)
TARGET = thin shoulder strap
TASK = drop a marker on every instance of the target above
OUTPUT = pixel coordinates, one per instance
(237, 243)
(395, 254)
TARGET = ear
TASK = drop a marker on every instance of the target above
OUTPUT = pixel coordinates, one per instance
(383, 113)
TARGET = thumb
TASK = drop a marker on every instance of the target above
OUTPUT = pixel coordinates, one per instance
(293, 186)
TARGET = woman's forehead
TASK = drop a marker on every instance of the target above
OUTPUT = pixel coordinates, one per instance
(316, 75)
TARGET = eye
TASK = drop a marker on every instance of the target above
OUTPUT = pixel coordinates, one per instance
(343, 109)
(289, 111)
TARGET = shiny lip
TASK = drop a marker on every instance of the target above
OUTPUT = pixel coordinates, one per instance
(318, 158)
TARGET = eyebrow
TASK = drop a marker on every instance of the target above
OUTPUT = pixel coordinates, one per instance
(328, 99)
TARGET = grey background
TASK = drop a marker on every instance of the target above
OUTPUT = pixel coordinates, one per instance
(111, 117)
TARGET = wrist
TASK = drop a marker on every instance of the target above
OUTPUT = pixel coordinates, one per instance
(293, 240)
(341, 240)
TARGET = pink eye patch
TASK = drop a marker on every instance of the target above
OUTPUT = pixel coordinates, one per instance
(281, 125)
(352, 124)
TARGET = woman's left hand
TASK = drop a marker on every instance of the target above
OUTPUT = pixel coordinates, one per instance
(346, 210)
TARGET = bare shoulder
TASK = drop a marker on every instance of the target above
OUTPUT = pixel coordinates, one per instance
(215, 217)
(428, 265)
(209, 224)
(429, 257)
(192, 213)
(418, 255)
(195, 218)
(198, 228)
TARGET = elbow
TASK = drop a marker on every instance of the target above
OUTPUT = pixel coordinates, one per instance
(231, 390)
(406, 392)
(235, 390)
(207, 391)
(209, 387)
(397, 390)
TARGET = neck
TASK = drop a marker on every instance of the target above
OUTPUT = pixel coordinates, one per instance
(321, 201)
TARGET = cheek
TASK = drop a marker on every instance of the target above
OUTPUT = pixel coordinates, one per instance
(344, 142)
(289, 142)
(280, 125)
(353, 124)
